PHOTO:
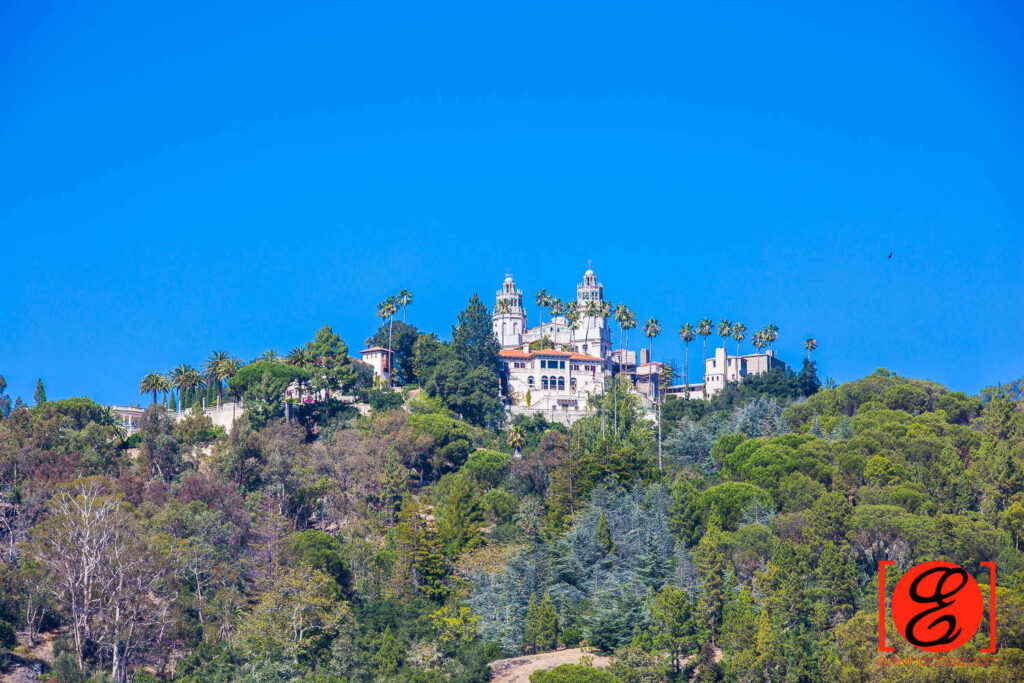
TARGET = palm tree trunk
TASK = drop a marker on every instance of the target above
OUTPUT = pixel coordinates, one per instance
(154, 397)
(687, 366)
(704, 370)
(391, 360)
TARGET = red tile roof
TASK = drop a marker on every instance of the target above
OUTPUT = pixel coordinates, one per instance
(375, 348)
(520, 354)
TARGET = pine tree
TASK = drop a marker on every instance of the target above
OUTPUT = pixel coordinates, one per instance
(40, 395)
(388, 659)
(460, 518)
(713, 571)
(173, 404)
(394, 480)
(542, 628)
(604, 534)
(837, 578)
(473, 340)
(431, 566)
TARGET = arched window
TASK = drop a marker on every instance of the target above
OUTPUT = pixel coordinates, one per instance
(544, 382)
(529, 381)
(561, 384)
(572, 384)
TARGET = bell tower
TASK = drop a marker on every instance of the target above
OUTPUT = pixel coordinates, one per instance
(509, 319)
(597, 338)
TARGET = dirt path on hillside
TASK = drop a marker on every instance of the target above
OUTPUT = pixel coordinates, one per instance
(518, 669)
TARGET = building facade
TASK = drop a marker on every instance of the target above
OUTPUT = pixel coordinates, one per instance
(590, 336)
(550, 380)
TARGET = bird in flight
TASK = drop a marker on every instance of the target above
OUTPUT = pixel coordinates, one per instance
(890, 254)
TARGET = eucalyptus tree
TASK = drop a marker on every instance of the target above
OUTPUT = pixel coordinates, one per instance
(404, 299)
(739, 333)
(811, 344)
(687, 335)
(153, 382)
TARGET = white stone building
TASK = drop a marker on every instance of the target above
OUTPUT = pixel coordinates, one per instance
(722, 368)
(591, 336)
(378, 358)
(557, 383)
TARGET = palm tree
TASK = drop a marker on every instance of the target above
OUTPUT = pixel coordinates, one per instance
(629, 325)
(231, 369)
(739, 333)
(177, 375)
(192, 379)
(590, 310)
(503, 306)
(299, 357)
(269, 356)
(652, 328)
(771, 334)
(543, 300)
(758, 340)
(811, 344)
(572, 316)
(704, 329)
(154, 382)
(215, 371)
(516, 440)
(404, 299)
(387, 309)
(111, 419)
(687, 335)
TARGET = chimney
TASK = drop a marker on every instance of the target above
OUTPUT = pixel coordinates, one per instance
(645, 356)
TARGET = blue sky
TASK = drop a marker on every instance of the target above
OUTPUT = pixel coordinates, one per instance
(234, 175)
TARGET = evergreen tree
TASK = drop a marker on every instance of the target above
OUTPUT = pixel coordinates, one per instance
(460, 518)
(431, 566)
(671, 614)
(713, 572)
(394, 480)
(388, 659)
(604, 534)
(837, 578)
(40, 395)
(473, 340)
(542, 628)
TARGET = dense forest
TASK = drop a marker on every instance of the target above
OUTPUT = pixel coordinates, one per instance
(430, 536)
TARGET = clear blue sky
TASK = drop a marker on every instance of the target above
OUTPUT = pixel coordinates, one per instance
(234, 175)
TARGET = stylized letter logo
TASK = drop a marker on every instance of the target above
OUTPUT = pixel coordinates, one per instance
(937, 606)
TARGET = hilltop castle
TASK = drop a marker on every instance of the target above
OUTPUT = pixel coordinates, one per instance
(554, 367)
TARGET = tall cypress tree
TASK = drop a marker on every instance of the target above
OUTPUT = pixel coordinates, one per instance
(40, 395)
